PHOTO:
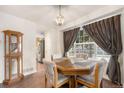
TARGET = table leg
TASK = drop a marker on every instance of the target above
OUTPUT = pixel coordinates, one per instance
(73, 81)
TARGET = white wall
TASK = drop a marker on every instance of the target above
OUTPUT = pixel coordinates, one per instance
(53, 43)
(29, 51)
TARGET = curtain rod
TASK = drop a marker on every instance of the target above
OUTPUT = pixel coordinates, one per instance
(114, 13)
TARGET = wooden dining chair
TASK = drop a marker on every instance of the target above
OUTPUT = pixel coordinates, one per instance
(51, 74)
(93, 79)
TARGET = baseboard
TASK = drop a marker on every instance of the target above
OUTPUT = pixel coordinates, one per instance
(28, 72)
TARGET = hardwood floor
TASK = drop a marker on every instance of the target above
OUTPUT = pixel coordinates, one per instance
(108, 84)
(37, 80)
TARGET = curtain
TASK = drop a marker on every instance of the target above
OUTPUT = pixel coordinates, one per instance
(69, 39)
(107, 35)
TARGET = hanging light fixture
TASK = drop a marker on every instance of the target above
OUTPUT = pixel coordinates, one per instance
(60, 17)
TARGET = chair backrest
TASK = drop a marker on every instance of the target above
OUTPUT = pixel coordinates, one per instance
(50, 71)
(102, 64)
(82, 55)
(62, 60)
(57, 56)
(99, 70)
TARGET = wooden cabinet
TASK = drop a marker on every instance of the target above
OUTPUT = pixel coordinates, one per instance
(13, 54)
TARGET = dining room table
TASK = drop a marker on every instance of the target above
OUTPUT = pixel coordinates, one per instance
(66, 67)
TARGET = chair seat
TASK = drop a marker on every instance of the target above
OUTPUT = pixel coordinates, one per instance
(86, 78)
(62, 78)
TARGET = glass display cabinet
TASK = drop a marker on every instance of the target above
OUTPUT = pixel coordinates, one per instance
(13, 46)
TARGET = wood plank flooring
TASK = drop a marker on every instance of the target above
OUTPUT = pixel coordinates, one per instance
(37, 80)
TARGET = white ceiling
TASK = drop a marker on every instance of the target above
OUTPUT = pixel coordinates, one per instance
(44, 15)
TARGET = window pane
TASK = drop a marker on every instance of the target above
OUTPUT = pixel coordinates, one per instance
(81, 33)
(81, 39)
(71, 51)
(78, 48)
(86, 39)
(77, 40)
(84, 33)
(90, 39)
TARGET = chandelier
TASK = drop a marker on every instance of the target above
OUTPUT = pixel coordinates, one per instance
(60, 17)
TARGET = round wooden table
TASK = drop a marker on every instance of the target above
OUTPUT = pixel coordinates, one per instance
(72, 69)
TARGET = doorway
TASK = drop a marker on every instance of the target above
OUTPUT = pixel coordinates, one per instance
(40, 45)
(40, 52)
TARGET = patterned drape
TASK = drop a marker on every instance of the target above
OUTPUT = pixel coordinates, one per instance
(107, 35)
(69, 39)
